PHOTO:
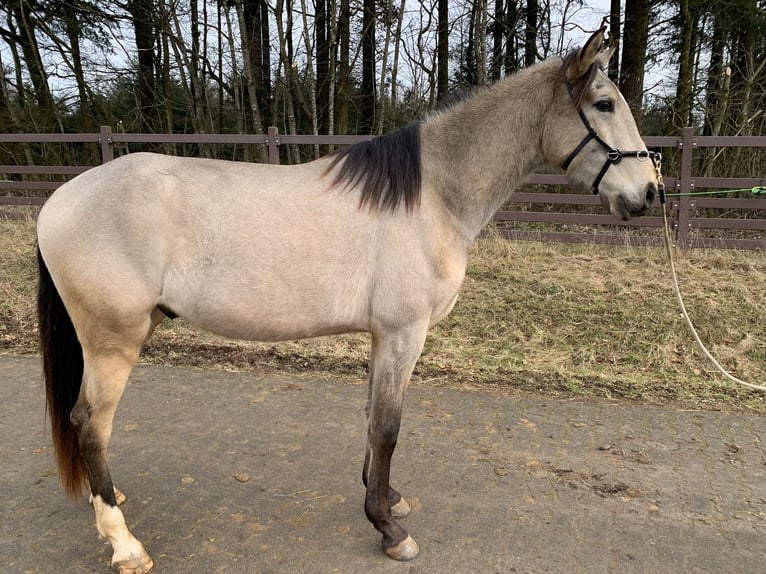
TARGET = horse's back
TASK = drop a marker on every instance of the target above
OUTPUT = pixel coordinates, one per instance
(246, 250)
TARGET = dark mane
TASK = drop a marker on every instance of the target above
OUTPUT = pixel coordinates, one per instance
(386, 168)
(581, 86)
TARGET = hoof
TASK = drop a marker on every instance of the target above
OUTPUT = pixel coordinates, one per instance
(401, 509)
(134, 565)
(407, 549)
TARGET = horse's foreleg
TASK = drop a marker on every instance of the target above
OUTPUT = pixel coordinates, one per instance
(393, 357)
(104, 380)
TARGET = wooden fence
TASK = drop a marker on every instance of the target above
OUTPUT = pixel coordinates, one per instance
(528, 215)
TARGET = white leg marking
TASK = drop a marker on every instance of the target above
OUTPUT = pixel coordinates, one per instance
(111, 525)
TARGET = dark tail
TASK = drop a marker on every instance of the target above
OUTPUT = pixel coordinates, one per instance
(63, 369)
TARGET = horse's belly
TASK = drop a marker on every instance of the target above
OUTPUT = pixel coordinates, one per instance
(273, 326)
(269, 307)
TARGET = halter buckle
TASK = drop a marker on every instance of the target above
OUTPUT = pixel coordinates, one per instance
(614, 155)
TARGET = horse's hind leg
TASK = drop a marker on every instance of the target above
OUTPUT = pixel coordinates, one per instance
(104, 378)
(394, 354)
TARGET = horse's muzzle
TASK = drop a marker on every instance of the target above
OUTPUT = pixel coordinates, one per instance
(626, 209)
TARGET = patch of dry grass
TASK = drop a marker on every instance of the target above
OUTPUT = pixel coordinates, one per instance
(18, 277)
(548, 319)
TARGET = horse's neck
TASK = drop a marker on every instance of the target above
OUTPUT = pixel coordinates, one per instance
(477, 152)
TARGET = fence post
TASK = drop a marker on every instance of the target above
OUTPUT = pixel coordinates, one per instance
(684, 185)
(105, 139)
(273, 142)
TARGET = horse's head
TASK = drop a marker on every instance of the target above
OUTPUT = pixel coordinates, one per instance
(591, 133)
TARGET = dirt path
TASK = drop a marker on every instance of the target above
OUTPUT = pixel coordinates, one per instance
(237, 473)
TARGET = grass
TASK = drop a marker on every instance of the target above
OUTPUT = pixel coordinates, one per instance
(545, 319)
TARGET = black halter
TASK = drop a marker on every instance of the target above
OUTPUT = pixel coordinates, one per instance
(613, 155)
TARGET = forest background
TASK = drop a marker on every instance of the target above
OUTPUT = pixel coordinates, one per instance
(360, 66)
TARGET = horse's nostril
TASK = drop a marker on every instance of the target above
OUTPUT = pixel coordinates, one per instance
(651, 192)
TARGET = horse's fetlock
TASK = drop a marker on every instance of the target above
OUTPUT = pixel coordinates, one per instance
(368, 510)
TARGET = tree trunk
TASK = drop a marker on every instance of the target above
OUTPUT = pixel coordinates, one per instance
(74, 33)
(236, 76)
(511, 60)
(219, 42)
(188, 72)
(343, 88)
(530, 34)
(496, 26)
(395, 64)
(47, 118)
(681, 107)
(480, 42)
(442, 51)
(634, 54)
(310, 78)
(322, 59)
(256, 22)
(294, 156)
(332, 41)
(9, 122)
(382, 102)
(250, 80)
(142, 15)
(716, 90)
(294, 81)
(743, 68)
(368, 107)
(614, 36)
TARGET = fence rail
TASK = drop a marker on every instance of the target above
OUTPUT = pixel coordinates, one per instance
(524, 208)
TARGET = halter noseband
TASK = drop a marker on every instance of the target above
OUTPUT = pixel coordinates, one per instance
(613, 155)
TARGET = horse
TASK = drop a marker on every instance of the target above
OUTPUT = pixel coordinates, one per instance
(373, 238)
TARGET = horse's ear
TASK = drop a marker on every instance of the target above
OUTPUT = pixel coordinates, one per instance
(586, 56)
(605, 55)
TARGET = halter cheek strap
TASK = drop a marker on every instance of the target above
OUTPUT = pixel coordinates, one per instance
(613, 155)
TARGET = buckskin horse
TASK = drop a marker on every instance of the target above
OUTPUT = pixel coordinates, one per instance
(373, 238)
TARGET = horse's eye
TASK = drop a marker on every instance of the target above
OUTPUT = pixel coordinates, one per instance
(605, 105)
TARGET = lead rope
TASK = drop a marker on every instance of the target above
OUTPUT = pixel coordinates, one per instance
(677, 291)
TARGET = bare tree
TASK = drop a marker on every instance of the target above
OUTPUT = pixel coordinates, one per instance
(283, 30)
(681, 108)
(343, 85)
(634, 53)
(496, 26)
(480, 40)
(442, 57)
(512, 19)
(249, 78)
(530, 34)
(614, 37)
(321, 56)
(26, 19)
(368, 95)
(143, 18)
